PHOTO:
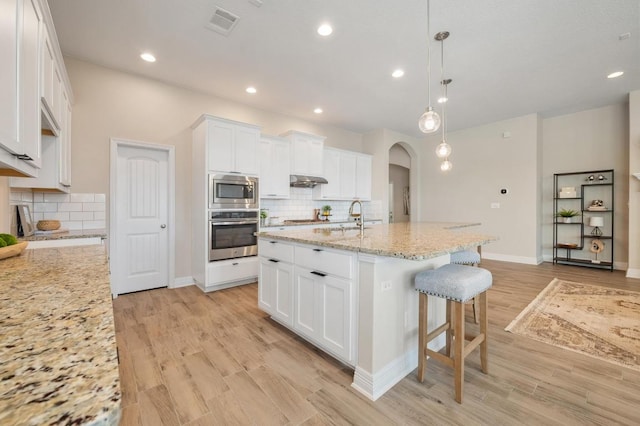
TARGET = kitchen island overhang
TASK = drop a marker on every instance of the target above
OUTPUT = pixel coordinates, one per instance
(384, 314)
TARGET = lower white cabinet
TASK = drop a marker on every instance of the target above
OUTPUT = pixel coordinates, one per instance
(275, 295)
(312, 291)
(232, 271)
(324, 312)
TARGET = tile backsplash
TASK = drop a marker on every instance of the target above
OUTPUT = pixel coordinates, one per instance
(74, 211)
(301, 205)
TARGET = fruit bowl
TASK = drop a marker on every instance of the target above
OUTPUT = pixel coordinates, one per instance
(13, 250)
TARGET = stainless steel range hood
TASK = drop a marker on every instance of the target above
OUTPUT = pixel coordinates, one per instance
(302, 181)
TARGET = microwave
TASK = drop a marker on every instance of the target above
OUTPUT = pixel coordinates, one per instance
(233, 192)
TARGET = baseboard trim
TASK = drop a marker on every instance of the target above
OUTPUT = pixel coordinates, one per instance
(373, 386)
(633, 273)
(513, 259)
(183, 282)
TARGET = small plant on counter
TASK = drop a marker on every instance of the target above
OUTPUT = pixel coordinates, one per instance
(326, 210)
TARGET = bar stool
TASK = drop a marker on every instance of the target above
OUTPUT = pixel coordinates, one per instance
(457, 284)
(471, 258)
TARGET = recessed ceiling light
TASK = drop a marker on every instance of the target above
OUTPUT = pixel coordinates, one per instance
(615, 74)
(251, 90)
(397, 73)
(148, 57)
(318, 110)
(324, 30)
(442, 100)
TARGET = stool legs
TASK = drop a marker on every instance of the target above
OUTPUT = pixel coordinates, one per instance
(484, 323)
(458, 348)
(422, 337)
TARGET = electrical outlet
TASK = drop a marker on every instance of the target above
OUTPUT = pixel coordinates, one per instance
(386, 285)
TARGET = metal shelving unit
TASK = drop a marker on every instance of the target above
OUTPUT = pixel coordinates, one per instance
(570, 243)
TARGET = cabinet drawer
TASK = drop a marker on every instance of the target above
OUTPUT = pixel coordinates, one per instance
(325, 260)
(226, 271)
(273, 249)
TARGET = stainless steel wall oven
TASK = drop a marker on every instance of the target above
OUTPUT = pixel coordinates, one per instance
(232, 233)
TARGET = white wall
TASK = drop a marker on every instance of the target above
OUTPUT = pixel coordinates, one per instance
(110, 103)
(484, 162)
(595, 139)
(634, 185)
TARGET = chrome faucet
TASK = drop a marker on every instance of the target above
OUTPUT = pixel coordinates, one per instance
(360, 217)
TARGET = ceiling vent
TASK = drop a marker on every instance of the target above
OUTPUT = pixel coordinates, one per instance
(222, 21)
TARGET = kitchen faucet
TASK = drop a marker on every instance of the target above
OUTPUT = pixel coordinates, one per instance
(359, 217)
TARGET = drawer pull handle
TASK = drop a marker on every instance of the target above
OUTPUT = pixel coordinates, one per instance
(273, 242)
(235, 263)
(320, 274)
(317, 249)
(273, 260)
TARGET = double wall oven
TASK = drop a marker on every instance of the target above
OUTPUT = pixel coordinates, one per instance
(233, 216)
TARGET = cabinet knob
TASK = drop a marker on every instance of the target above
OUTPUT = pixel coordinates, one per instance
(163, 226)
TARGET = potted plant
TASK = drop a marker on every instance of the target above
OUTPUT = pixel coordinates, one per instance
(567, 214)
(326, 211)
(264, 214)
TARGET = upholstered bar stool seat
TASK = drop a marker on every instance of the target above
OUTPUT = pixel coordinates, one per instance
(457, 284)
(471, 258)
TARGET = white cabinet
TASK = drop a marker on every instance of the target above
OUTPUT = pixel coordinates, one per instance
(48, 86)
(324, 311)
(275, 166)
(20, 27)
(275, 282)
(312, 291)
(348, 174)
(218, 145)
(306, 153)
(233, 146)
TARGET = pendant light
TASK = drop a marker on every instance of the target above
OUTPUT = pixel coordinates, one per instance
(429, 122)
(443, 150)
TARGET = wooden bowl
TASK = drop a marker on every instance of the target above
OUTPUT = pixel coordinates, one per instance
(14, 250)
(48, 225)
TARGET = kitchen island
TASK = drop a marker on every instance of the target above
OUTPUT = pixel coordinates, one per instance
(353, 296)
(58, 358)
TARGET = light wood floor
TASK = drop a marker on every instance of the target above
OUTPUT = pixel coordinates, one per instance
(212, 359)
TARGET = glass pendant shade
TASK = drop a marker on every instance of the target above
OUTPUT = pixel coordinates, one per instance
(446, 165)
(443, 150)
(429, 121)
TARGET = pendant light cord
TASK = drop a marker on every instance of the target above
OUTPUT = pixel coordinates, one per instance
(444, 91)
(428, 56)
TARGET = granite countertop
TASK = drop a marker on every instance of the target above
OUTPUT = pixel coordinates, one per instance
(411, 240)
(58, 358)
(53, 235)
(302, 222)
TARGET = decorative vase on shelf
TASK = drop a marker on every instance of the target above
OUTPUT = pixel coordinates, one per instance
(566, 219)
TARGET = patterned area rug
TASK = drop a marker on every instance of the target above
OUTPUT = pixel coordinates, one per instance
(600, 322)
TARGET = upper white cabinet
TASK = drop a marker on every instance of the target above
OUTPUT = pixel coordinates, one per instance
(232, 146)
(348, 174)
(44, 103)
(275, 166)
(306, 153)
(21, 28)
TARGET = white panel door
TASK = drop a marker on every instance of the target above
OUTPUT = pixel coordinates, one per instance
(220, 147)
(347, 173)
(9, 76)
(246, 151)
(142, 240)
(335, 299)
(306, 309)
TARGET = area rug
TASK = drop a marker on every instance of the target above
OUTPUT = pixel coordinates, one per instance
(597, 321)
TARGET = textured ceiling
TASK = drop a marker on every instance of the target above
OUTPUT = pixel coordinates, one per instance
(507, 58)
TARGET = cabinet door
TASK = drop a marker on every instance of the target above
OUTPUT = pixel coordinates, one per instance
(65, 145)
(307, 309)
(274, 169)
(306, 155)
(220, 147)
(9, 76)
(48, 65)
(267, 280)
(30, 81)
(336, 327)
(283, 297)
(331, 165)
(363, 177)
(58, 88)
(314, 152)
(246, 151)
(347, 175)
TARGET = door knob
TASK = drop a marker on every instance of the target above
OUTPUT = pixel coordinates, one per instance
(163, 226)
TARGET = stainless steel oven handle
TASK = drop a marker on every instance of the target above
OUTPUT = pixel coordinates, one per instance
(243, 222)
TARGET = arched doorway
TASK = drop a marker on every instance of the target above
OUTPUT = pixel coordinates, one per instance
(399, 184)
